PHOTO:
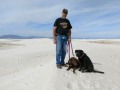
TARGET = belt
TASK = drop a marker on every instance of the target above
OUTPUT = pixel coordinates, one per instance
(60, 35)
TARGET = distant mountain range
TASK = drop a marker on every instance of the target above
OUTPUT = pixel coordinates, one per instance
(10, 36)
(18, 37)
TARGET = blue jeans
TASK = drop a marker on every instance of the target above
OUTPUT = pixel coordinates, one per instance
(61, 49)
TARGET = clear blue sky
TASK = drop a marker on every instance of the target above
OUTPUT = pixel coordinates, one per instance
(89, 18)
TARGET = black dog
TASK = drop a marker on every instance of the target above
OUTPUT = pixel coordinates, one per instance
(73, 63)
(86, 64)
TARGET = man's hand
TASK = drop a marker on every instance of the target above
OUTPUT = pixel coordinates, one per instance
(54, 40)
(54, 35)
(69, 39)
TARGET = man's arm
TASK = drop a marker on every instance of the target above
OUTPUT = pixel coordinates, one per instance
(54, 34)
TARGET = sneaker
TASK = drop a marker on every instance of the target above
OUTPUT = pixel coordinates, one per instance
(59, 66)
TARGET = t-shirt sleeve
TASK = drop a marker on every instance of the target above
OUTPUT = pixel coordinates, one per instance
(56, 23)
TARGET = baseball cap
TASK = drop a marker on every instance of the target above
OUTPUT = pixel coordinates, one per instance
(65, 11)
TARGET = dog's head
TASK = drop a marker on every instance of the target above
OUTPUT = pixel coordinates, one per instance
(79, 53)
(73, 61)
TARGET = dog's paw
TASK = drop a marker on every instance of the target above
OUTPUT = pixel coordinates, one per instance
(67, 69)
(74, 72)
(82, 71)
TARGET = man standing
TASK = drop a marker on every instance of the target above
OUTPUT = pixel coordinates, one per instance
(61, 34)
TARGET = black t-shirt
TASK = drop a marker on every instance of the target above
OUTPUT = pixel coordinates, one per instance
(63, 26)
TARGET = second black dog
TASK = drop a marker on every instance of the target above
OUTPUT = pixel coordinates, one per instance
(86, 64)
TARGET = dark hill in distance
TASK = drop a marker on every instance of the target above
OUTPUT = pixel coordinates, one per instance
(18, 37)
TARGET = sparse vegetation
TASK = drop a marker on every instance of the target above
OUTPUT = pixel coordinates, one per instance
(106, 42)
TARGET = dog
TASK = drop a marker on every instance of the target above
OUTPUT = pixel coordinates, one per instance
(85, 63)
(73, 63)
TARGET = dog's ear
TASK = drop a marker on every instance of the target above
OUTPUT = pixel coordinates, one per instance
(81, 51)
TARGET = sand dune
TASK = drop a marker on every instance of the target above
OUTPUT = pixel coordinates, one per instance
(31, 66)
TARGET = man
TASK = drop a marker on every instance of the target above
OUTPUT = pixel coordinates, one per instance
(61, 34)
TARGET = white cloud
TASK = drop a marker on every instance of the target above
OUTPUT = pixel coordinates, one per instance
(83, 14)
(22, 11)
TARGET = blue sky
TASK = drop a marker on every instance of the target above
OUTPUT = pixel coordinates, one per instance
(89, 18)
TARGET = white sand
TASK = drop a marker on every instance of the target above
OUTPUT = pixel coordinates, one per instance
(31, 66)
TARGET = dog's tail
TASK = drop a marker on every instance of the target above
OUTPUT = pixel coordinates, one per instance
(96, 71)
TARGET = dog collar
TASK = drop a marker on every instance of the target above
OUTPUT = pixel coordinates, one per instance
(82, 55)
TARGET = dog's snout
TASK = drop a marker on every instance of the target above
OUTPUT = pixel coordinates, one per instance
(76, 51)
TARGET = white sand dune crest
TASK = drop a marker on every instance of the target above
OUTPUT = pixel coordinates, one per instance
(32, 67)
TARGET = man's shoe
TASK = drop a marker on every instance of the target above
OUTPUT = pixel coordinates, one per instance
(59, 66)
(64, 65)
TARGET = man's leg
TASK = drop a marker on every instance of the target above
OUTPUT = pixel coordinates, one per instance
(58, 50)
(64, 43)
